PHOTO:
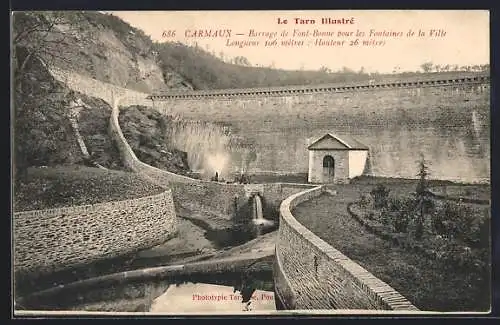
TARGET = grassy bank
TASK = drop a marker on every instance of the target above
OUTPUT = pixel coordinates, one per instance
(63, 186)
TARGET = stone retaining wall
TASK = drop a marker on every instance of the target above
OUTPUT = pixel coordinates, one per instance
(222, 199)
(311, 274)
(54, 239)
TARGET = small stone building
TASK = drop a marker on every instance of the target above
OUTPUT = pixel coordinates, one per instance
(334, 159)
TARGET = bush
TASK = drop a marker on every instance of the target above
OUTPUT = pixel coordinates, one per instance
(456, 256)
(380, 196)
(365, 201)
(401, 204)
(387, 217)
(438, 223)
(462, 222)
(401, 222)
(395, 204)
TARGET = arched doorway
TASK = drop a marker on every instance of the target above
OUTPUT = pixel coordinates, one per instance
(328, 169)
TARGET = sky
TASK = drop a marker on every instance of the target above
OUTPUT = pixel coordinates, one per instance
(460, 36)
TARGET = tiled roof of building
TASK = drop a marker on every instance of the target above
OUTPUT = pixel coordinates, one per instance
(340, 142)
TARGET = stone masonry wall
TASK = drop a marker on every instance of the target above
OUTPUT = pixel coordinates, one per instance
(50, 240)
(392, 120)
(413, 109)
(385, 99)
(395, 82)
(96, 88)
(274, 193)
(310, 274)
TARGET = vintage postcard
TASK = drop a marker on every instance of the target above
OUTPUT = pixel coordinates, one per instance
(251, 162)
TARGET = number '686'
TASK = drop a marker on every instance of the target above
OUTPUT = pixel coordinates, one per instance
(168, 33)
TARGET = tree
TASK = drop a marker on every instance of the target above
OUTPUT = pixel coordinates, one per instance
(423, 173)
(38, 35)
(465, 68)
(347, 70)
(241, 60)
(37, 42)
(427, 66)
(422, 195)
(324, 69)
(485, 67)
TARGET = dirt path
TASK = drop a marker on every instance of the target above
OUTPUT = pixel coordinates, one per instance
(190, 240)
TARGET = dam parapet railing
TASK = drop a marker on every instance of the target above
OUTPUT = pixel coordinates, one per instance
(101, 89)
(410, 82)
(311, 274)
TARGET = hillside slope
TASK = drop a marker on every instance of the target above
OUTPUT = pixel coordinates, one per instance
(204, 71)
(145, 131)
(42, 130)
(93, 44)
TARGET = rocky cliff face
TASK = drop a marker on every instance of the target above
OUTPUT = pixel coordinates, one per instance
(145, 131)
(97, 45)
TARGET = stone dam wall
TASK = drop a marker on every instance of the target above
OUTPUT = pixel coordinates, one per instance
(392, 153)
(50, 240)
(311, 274)
(445, 117)
(221, 199)
(99, 89)
(446, 120)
